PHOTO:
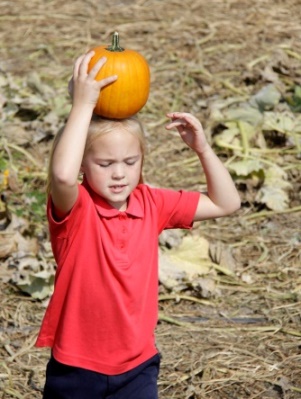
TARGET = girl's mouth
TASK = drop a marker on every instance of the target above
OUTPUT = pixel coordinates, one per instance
(116, 189)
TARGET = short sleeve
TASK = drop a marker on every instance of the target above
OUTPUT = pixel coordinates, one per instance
(176, 209)
(63, 227)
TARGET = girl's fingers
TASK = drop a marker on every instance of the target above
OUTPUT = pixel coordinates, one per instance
(84, 62)
(178, 119)
(96, 68)
(77, 65)
(177, 115)
(81, 68)
(176, 123)
(182, 119)
(106, 81)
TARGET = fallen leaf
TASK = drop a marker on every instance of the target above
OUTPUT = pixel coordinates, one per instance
(15, 133)
(180, 267)
(245, 167)
(222, 255)
(274, 192)
(7, 245)
(39, 285)
(274, 198)
(171, 238)
(245, 113)
(282, 122)
(205, 286)
(267, 98)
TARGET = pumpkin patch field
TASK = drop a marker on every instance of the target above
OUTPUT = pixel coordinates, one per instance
(230, 289)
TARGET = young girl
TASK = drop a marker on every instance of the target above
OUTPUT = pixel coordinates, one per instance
(104, 232)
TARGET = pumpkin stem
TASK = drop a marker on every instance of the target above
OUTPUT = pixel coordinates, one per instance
(115, 43)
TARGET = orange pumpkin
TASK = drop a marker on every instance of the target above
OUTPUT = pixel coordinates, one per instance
(129, 93)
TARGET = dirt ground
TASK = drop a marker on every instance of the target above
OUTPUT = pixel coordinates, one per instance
(244, 340)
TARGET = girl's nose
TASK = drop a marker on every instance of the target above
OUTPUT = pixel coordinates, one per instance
(118, 171)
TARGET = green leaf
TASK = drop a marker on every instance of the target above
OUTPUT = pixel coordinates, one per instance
(244, 113)
(295, 99)
(285, 123)
(37, 200)
(230, 134)
(274, 198)
(245, 167)
(297, 93)
(267, 98)
(274, 192)
(276, 176)
(38, 285)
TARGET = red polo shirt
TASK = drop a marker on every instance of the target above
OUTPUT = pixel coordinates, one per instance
(103, 312)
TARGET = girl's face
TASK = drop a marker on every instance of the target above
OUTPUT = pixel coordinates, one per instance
(112, 166)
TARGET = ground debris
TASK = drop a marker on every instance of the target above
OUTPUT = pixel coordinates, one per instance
(238, 69)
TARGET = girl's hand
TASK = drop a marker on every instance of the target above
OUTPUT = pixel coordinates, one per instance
(190, 130)
(83, 87)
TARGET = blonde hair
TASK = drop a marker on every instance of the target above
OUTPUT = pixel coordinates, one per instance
(98, 127)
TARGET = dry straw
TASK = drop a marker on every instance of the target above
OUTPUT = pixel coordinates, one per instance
(245, 342)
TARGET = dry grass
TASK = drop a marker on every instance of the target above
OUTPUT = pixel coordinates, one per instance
(246, 342)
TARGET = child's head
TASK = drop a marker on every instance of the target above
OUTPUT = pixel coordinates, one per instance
(100, 127)
(113, 158)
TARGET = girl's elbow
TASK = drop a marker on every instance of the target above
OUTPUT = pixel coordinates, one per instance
(235, 205)
(238, 202)
(63, 180)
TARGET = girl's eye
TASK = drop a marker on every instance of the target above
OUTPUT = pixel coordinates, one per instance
(131, 162)
(106, 164)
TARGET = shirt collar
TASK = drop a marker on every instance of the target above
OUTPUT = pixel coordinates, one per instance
(135, 206)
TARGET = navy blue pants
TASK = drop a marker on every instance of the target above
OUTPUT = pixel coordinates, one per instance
(67, 382)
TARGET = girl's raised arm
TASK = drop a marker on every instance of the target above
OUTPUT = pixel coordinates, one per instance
(69, 150)
(221, 197)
